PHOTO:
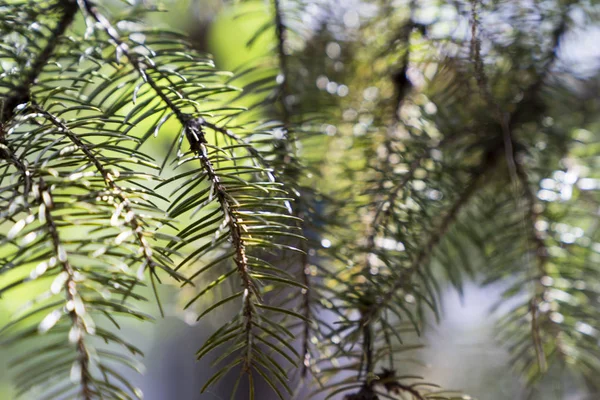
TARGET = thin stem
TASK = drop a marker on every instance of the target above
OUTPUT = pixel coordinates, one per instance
(284, 147)
(45, 197)
(306, 281)
(281, 32)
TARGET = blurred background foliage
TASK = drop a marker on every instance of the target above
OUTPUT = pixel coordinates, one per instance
(371, 86)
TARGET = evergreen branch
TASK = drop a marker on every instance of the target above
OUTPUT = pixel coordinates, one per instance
(507, 123)
(542, 256)
(289, 148)
(33, 247)
(22, 93)
(402, 85)
(125, 207)
(71, 293)
(196, 139)
(195, 136)
(286, 151)
(426, 250)
(233, 217)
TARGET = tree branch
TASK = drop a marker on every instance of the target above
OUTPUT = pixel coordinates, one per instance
(434, 239)
(22, 93)
(284, 147)
(131, 219)
(193, 129)
(70, 287)
(518, 173)
(195, 136)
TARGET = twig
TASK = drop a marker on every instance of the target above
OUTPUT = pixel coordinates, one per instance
(133, 219)
(193, 129)
(45, 197)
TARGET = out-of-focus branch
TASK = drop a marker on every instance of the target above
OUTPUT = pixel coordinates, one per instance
(427, 249)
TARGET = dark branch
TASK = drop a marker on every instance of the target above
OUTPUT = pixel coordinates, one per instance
(22, 93)
(195, 135)
(508, 122)
(286, 152)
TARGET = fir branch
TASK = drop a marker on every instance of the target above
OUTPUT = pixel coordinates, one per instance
(124, 207)
(507, 123)
(541, 253)
(233, 218)
(21, 94)
(70, 287)
(427, 249)
(286, 151)
(402, 85)
(195, 136)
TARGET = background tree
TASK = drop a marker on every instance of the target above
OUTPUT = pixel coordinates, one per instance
(314, 201)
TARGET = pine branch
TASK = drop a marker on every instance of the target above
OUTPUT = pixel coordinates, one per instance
(195, 136)
(541, 254)
(402, 86)
(286, 156)
(508, 122)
